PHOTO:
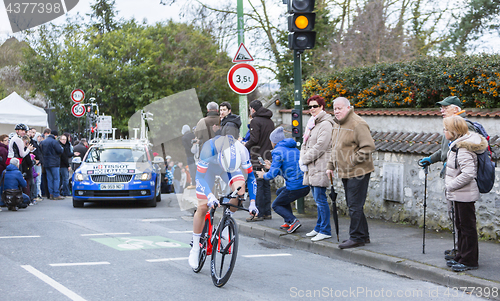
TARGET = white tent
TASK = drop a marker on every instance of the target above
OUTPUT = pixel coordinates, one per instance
(14, 109)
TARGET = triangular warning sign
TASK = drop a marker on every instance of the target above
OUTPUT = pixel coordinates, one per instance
(242, 55)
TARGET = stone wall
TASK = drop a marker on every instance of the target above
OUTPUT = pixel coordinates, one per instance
(396, 191)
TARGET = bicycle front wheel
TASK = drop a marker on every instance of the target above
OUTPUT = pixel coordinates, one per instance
(224, 252)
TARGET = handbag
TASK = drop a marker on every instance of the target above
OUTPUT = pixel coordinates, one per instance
(11, 197)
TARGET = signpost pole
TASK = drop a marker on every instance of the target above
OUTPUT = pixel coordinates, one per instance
(243, 101)
(297, 82)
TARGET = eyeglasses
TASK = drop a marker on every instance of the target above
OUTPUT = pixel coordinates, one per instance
(314, 106)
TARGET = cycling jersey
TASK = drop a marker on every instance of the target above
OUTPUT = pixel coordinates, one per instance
(208, 168)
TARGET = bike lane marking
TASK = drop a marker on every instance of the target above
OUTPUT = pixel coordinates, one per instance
(77, 264)
(266, 255)
(31, 236)
(140, 243)
(56, 285)
(104, 234)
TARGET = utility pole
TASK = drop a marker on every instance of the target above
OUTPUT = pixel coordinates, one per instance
(243, 101)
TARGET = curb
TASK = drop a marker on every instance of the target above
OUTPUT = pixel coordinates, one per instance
(399, 266)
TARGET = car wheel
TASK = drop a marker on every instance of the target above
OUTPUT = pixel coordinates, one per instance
(158, 197)
(77, 204)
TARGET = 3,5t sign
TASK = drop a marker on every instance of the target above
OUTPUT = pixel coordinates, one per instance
(242, 78)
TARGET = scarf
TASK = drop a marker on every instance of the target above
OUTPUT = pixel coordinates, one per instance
(310, 125)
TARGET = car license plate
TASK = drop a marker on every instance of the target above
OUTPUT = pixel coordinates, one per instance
(111, 186)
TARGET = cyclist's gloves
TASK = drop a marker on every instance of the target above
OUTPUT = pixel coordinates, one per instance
(212, 200)
(253, 209)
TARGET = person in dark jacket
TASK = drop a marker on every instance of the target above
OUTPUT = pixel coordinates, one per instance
(4, 151)
(64, 168)
(27, 171)
(286, 164)
(13, 179)
(52, 150)
(259, 145)
(188, 138)
(230, 123)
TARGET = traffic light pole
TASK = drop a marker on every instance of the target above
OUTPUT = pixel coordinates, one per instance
(297, 81)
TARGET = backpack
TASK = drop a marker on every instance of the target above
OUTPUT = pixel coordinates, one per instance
(485, 166)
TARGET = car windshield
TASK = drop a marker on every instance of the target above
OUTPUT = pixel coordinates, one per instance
(116, 154)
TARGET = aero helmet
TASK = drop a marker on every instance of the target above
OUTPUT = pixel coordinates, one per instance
(229, 157)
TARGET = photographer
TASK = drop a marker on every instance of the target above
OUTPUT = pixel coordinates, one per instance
(188, 139)
(13, 179)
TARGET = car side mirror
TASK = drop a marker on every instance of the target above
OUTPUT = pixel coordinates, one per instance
(76, 160)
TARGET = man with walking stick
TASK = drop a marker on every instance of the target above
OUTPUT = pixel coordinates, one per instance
(352, 147)
(449, 106)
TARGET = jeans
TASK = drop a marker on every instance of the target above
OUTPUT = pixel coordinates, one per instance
(178, 187)
(53, 180)
(64, 176)
(355, 196)
(323, 225)
(38, 169)
(285, 197)
(192, 173)
(263, 197)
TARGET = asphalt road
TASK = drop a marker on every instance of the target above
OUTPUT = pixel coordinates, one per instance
(120, 251)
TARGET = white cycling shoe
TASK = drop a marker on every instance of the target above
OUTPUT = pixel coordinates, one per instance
(194, 254)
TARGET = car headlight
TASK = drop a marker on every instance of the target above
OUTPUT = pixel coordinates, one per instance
(143, 177)
(81, 177)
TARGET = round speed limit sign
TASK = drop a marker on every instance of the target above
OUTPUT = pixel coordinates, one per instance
(77, 95)
(78, 110)
(242, 78)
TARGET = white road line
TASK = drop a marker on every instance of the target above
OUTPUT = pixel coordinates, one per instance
(77, 263)
(102, 234)
(167, 259)
(177, 232)
(266, 255)
(159, 220)
(61, 288)
(32, 236)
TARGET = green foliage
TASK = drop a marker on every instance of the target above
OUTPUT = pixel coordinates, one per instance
(419, 83)
(127, 68)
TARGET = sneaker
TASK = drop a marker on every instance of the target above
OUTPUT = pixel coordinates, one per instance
(312, 233)
(194, 255)
(320, 236)
(450, 252)
(294, 226)
(268, 216)
(58, 198)
(462, 267)
(449, 257)
(451, 263)
(285, 226)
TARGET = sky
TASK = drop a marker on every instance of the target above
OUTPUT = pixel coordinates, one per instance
(152, 10)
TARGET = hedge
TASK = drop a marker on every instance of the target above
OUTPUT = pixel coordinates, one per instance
(415, 84)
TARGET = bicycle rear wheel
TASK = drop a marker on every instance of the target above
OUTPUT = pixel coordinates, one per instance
(225, 250)
(203, 248)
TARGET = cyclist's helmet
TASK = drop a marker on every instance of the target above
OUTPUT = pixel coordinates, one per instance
(229, 156)
(21, 126)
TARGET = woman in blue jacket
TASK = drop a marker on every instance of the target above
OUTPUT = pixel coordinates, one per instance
(285, 163)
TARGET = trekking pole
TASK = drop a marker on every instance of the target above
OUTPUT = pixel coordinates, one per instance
(426, 171)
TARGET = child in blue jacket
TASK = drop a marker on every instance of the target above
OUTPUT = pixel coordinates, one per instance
(285, 163)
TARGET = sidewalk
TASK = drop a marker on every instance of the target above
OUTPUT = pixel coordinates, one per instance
(394, 248)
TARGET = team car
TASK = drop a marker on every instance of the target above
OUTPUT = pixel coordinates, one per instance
(117, 170)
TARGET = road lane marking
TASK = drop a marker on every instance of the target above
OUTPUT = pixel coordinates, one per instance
(159, 220)
(77, 264)
(266, 255)
(140, 243)
(167, 259)
(177, 232)
(61, 288)
(32, 236)
(102, 234)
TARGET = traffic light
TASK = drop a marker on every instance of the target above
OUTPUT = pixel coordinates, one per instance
(296, 123)
(301, 24)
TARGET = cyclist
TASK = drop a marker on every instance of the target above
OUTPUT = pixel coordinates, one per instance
(222, 156)
(16, 144)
